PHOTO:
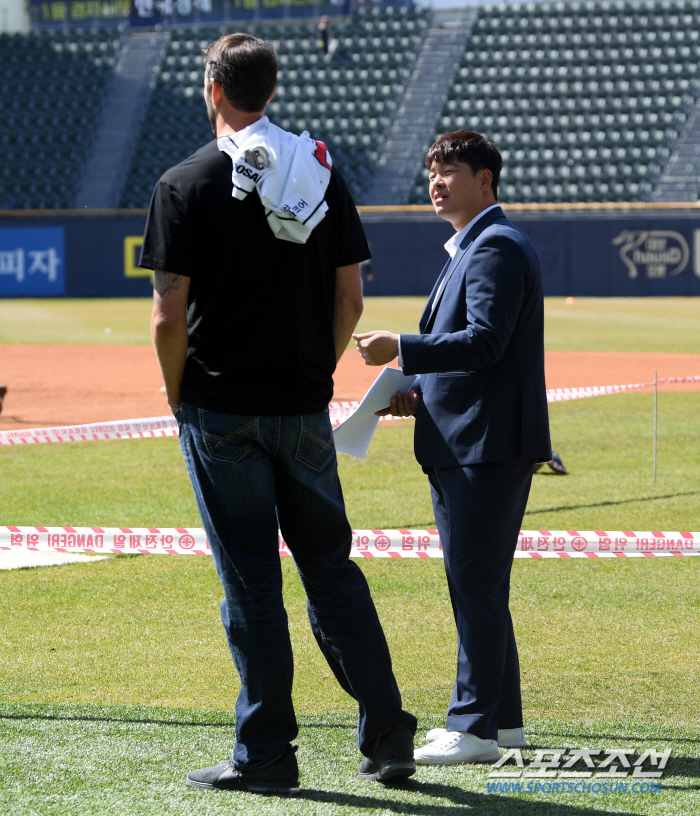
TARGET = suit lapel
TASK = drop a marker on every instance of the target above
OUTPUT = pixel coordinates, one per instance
(425, 317)
(449, 272)
(430, 311)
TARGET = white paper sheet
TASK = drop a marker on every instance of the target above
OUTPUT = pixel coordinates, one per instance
(354, 435)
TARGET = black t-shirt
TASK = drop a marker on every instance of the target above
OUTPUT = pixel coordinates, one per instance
(260, 310)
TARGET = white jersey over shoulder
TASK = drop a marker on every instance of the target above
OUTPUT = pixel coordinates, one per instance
(291, 174)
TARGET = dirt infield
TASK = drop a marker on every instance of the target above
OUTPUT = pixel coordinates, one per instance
(67, 385)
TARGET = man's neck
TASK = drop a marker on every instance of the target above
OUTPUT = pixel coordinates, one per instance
(465, 218)
(234, 121)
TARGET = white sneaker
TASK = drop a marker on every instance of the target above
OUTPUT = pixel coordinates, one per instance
(434, 733)
(456, 748)
(507, 737)
(512, 738)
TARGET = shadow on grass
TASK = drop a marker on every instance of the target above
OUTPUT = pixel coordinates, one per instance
(681, 787)
(609, 503)
(618, 735)
(479, 802)
(677, 766)
(113, 714)
(419, 525)
(130, 720)
(226, 721)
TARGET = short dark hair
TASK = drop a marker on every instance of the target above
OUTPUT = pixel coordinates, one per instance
(471, 148)
(246, 67)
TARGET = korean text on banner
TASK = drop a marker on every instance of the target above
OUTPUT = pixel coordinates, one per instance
(32, 261)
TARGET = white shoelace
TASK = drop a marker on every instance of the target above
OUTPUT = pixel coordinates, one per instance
(448, 740)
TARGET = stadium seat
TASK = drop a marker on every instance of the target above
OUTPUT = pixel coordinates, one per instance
(71, 68)
(346, 101)
(614, 79)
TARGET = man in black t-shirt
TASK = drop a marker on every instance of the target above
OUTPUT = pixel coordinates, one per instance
(248, 328)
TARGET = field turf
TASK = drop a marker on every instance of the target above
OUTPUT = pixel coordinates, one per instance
(607, 441)
(589, 324)
(116, 678)
(119, 760)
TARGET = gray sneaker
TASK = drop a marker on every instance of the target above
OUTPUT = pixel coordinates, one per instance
(279, 775)
(391, 758)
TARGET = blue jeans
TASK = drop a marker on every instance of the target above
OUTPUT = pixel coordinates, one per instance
(249, 474)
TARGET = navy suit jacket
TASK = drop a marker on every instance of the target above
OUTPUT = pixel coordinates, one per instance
(480, 353)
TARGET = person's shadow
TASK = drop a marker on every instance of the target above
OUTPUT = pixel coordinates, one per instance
(480, 803)
(676, 767)
(484, 803)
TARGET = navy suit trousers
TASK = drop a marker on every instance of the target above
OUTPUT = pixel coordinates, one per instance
(479, 509)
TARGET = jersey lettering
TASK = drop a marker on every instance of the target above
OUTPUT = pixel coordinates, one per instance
(247, 172)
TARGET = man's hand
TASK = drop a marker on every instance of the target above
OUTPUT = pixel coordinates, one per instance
(377, 347)
(402, 404)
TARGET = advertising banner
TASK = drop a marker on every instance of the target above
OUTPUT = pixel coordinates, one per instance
(32, 261)
(625, 255)
(159, 13)
(638, 254)
(78, 13)
(648, 253)
(150, 13)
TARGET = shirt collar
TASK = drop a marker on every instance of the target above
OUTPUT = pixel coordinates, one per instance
(453, 244)
(241, 135)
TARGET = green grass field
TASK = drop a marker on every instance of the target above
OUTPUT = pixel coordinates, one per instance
(590, 324)
(117, 680)
(605, 441)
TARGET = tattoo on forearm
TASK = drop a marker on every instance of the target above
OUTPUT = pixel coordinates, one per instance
(165, 282)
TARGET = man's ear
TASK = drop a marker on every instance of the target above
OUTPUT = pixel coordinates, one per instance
(218, 97)
(486, 179)
(272, 95)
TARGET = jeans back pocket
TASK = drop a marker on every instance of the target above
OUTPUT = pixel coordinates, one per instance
(315, 448)
(228, 438)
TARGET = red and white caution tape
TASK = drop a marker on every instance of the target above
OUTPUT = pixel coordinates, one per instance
(693, 379)
(605, 544)
(560, 394)
(135, 428)
(126, 429)
(365, 543)
(339, 412)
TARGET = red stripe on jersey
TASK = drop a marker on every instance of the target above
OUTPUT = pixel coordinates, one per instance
(321, 154)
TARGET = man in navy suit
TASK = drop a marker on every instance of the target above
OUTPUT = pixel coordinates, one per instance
(481, 426)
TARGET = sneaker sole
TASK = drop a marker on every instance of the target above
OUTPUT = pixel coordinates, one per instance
(394, 769)
(492, 757)
(523, 743)
(274, 789)
(254, 787)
